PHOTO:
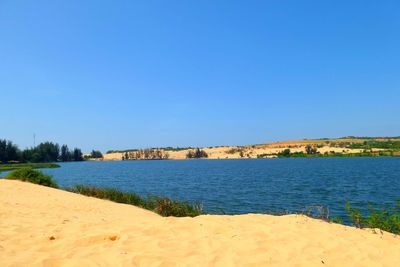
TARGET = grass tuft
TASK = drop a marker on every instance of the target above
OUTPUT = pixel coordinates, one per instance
(15, 166)
(384, 219)
(33, 176)
(163, 206)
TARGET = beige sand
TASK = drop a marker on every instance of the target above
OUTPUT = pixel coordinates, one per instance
(248, 151)
(40, 226)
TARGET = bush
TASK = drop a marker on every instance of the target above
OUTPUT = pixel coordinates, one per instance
(15, 166)
(110, 194)
(197, 154)
(32, 176)
(387, 220)
(167, 207)
(163, 206)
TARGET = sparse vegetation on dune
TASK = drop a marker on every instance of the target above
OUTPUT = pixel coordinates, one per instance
(146, 154)
(197, 154)
(32, 176)
(15, 166)
(161, 205)
(384, 219)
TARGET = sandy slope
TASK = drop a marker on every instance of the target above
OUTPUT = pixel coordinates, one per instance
(248, 152)
(40, 226)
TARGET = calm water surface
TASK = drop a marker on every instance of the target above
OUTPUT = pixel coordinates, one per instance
(249, 185)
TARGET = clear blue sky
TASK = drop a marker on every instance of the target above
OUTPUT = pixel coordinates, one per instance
(126, 74)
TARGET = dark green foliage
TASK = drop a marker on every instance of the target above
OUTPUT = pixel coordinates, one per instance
(77, 155)
(392, 144)
(167, 207)
(51, 152)
(384, 219)
(44, 152)
(66, 155)
(285, 153)
(110, 194)
(15, 166)
(8, 151)
(311, 150)
(32, 176)
(197, 154)
(160, 205)
(336, 220)
(146, 154)
(96, 154)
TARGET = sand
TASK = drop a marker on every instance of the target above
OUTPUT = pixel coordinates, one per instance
(41, 226)
(248, 151)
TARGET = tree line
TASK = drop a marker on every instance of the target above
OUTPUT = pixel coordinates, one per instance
(141, 154)
(196, 154)
(44, 152)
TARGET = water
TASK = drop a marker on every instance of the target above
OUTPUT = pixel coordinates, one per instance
(249, 185)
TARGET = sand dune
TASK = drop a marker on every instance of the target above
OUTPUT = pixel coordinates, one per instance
(248, 151)
(40, 226)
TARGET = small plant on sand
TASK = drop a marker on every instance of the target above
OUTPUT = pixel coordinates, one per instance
(167, 207)
(110, 194)
(15, 166)
(384, 219)
(163, 206)
(32, 176)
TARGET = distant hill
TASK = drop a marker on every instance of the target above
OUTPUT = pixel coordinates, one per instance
(323, 147)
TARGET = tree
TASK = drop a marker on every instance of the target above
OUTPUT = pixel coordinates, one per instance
(44, 152)
(96, 154)
(77, 155)
(311, 150)
(65, 153)
(197, 154)
(8, 151)
(285, 153)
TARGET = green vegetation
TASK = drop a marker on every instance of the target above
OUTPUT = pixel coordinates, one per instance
(332, 154)
(160, 205)
(8, 151)
(95, 154)
(197, 154)
(387, 144)
(32, 176)
(44, 152)
(145, 154)
(15, 166)
(121, 151)
(169, 148)
(384, 219)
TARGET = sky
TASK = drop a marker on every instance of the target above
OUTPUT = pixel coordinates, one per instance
(136, 74)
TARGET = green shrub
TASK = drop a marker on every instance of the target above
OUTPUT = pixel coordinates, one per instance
(196, 154)
(109, 193)
(32, 176)
(167, 207)
(160, 205)
(384, 219)
(15, 166)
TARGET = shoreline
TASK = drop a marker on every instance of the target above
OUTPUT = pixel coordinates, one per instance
(42, 226)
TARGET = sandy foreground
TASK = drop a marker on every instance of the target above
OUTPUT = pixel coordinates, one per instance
(41, 226)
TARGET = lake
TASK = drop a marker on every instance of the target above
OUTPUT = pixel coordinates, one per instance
(248, 185)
